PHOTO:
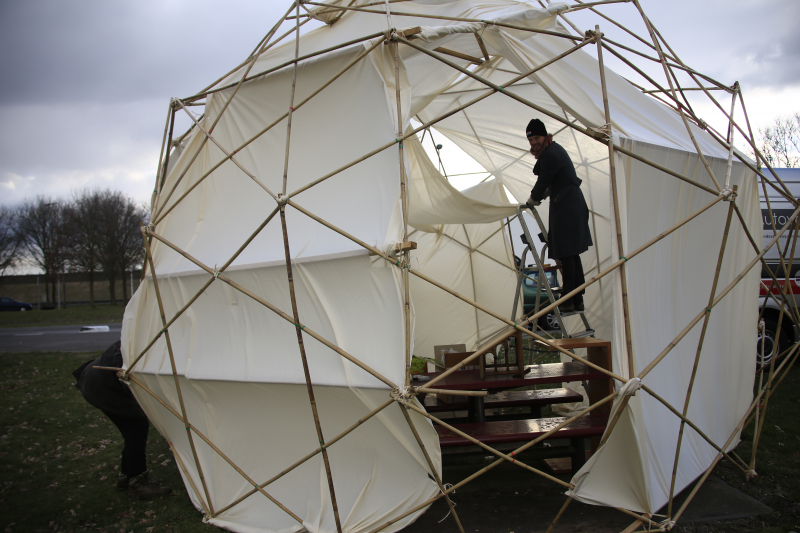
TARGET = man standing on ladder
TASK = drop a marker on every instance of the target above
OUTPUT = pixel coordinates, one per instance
(568, 232)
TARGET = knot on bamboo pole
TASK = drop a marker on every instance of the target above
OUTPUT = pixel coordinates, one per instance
(593, 35)
(702, 124)
(282, 199)
(667, 524)
(751, 474)
(601, 132)
(729, 194)
(402, 394)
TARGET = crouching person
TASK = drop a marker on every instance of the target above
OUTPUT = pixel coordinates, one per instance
(104, 390)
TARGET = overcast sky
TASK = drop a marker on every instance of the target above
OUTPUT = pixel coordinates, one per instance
(86, 84)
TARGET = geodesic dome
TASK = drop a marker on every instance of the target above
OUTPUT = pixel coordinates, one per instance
(271, 338)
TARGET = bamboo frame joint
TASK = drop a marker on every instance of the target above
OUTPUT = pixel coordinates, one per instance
(282, 200)
(729, 194)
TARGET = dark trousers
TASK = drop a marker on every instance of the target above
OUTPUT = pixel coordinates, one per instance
(572, 275)
(134, 433)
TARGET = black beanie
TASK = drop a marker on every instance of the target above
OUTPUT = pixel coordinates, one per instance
(536, 127)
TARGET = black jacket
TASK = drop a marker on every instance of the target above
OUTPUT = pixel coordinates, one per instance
(103, 389)
(568, 231)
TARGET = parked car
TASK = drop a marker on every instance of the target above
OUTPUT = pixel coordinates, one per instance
(782, 209)
(532, 290)
(7, 304)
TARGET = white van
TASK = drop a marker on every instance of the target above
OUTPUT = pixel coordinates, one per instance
(782, 209)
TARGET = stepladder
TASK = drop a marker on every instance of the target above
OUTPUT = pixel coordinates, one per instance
(542, 277)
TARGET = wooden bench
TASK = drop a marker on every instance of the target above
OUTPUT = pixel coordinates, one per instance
(533, 399)
(499, 432)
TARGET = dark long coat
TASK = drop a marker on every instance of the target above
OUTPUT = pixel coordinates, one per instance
(103, 389)
(568, 225)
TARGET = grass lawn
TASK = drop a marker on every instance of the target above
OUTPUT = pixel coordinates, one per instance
(59, 458)
(102, 314)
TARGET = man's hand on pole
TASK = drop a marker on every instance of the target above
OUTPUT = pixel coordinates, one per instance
(532, 203)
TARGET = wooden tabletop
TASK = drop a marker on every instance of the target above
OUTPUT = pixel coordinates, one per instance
(535, 375)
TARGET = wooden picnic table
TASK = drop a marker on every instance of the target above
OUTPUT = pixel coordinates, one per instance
(600, 385)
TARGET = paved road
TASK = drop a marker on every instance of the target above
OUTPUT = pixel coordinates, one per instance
(57, 339)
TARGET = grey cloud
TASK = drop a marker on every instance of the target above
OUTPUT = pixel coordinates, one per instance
(97, 50)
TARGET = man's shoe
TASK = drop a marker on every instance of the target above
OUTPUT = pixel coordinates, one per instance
(143, 488)
(568, 307)
(122, 482)
(579, 305)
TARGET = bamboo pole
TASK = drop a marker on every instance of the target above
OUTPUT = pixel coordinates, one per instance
(724, 293)
(269, 127)
(440, 118)
(781, 259)
(204, 287)
(719, 455)
(218, 275)
(672, 88)
(306, 373)
(741, 465)
(308, 456)
(404, 203)
(786, 193)
(189, 478)
(293, 61)
(431, 466)
(751, 139)
(495, 463)
(216, 450)
(509, 458)
(697, 354)
(454, 19)
(228, 155)
(482, 46)
(160, 174)
(592, 4)
(184, 416)
(550, 114)
(763, 408)
(730, 136)
(289, 119)
(239, 84)
(765, 266)
(558, 516)
(626, 312)
(340, 15)
(480, 352)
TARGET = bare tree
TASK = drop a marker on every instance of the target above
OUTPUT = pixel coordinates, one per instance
(10, 252)
(121, 238)
(41, 228)
(84, 235)
(780, 142)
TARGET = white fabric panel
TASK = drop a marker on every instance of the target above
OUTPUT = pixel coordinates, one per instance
(668, 285)
(574, 83)
(474, 260)
(377, 470)
(433, 200)
(226, 335)
(354, 25)
(216, 218)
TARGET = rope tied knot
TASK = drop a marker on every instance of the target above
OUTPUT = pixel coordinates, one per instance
(402, 394)
(592, 35)
(751, 474)
(702, 124)
(282, 199)
(729, 194)
(216, 271)
(601, 132)
(150, 227)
